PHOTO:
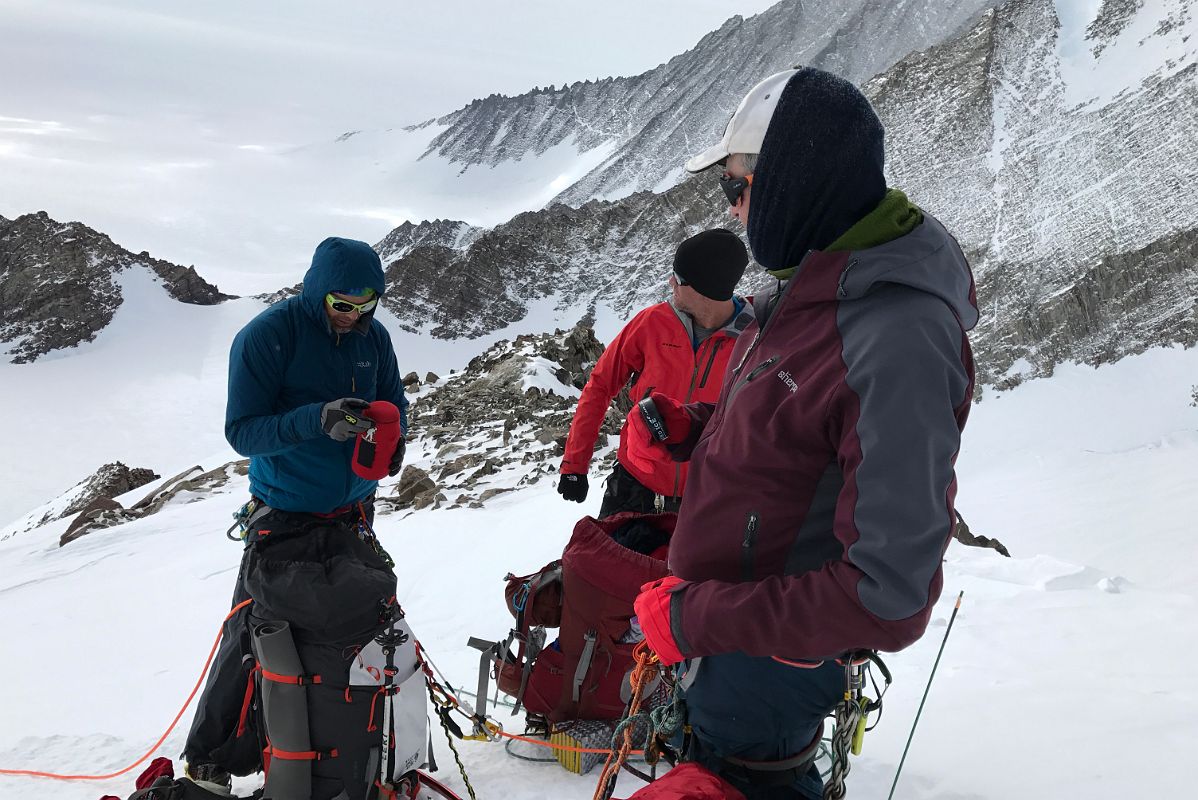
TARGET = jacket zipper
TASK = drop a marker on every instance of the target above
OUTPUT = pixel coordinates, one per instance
(747, 545)
(757, 370)
(715, 349)
(842, 292)
(761, 329)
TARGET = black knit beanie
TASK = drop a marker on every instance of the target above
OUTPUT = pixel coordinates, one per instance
(819, 170)
(712, 262)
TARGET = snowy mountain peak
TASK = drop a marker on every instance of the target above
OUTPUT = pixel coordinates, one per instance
(1065, 186)
(641, 127)
(438, 233)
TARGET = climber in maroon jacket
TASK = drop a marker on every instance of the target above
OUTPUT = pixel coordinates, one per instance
(822, 483)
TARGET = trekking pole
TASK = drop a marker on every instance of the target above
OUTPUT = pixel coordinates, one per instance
(389, 641)
(928, 688)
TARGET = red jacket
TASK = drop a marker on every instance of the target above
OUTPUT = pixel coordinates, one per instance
(654, 349)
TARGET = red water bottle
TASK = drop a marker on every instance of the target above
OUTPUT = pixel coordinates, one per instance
(374, 448)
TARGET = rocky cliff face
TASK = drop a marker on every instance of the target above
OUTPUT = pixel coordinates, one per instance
(59, 283)
(1071, 205)
(649, 120)
(618, 253)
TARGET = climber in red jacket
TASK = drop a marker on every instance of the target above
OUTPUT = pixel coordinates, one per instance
(680, 348)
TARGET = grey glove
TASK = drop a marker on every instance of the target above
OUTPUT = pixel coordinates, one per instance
(341, 419)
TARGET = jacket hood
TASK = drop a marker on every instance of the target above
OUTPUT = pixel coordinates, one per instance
(820, 169)
(928, 259)
(339, 264)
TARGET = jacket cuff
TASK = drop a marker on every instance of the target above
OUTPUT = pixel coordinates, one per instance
(682, 450)
(676, 620)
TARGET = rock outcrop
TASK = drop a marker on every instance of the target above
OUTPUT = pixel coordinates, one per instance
(60, 284)
(500, 423)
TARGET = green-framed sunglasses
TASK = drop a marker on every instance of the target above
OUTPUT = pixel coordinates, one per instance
(344, 306)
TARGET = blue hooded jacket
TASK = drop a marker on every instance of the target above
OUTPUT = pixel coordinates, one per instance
(287, 363)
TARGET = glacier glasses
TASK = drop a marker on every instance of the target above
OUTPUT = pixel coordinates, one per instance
(344, 306)
(735, 187)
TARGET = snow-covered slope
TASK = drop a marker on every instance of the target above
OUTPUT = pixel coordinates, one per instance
(1063, 657)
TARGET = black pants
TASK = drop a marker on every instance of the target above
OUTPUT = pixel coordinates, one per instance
(761, 710)
(626, 493)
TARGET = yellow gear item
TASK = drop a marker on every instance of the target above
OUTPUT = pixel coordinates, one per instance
(859, 732)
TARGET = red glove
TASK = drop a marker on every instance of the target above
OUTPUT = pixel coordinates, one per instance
(673, 415)
(652, 607)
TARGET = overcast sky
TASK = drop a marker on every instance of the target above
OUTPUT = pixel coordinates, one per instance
(108, 104)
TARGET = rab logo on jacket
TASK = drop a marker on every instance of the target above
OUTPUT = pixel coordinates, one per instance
(784, 376)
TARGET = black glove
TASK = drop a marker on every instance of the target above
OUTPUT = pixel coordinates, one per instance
(341, 419)
(397, 458)
(573, 487)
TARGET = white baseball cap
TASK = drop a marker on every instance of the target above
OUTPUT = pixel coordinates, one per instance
(746, 129)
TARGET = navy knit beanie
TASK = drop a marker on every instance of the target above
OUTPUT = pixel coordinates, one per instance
(712, 262)
(819, 170)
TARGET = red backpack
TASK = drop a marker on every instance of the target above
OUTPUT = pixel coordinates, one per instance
(588, 594)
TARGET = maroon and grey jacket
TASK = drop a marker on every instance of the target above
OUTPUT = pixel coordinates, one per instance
(821, 486)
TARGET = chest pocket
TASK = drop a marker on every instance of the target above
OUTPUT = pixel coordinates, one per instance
(363, 379)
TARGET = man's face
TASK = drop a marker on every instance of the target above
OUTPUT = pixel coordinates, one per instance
(344, 321)
(735, 168)
(682, 294)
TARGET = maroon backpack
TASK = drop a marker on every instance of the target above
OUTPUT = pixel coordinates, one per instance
(588, 595)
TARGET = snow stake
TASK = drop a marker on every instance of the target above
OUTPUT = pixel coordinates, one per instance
(928, 688)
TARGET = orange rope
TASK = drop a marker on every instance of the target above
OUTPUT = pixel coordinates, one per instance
(161, 739)
(647, 666)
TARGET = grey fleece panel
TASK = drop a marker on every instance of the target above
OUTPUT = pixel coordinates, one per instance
(928, 259)
(902, 351)
(816, 543)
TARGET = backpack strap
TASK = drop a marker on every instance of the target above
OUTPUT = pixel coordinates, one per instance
(533, 644)
(491, 653)
(584, 663)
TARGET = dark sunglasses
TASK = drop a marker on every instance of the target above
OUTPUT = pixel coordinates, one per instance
(735, 187)
(678, 279)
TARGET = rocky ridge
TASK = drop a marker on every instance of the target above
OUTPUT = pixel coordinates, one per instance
(1075, 217)
(60, 283)
(648, 120)
(438, 233)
